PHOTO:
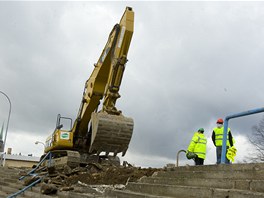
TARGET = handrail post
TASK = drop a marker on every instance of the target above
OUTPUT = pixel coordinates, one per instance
(9, 113)
(2, 157)
(177, 161)
(250, 112)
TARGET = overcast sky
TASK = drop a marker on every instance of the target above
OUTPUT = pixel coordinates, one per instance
(190, 63)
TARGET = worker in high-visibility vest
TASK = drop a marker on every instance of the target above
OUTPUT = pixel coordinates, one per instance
(217, 137)
(198, 147)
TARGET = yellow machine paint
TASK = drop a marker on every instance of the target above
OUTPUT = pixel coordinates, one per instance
(60, 139)
(107, 130)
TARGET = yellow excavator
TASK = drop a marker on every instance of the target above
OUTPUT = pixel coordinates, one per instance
(98, 134)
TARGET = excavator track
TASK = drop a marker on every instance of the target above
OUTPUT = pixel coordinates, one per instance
(110, 133)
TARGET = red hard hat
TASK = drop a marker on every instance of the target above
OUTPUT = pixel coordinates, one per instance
(220, 120)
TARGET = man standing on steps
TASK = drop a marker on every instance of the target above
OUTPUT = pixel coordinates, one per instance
(217, 137)
(198, 146)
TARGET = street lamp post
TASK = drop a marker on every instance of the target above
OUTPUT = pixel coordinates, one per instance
(38, 142)
(7, 123)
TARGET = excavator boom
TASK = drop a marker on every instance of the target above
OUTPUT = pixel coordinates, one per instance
(101, 130)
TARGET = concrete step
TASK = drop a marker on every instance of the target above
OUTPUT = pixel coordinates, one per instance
(8, 189)
(9, 176)
(35, 192)
(220, 183)
(7, 172)
(32, 193)
(17, 186)
(189, 191)
(170, 190)
(130, 194)
(219, 174)
(232, 193)
(2, 183)
(253, 185)
(3, 194)
(221, 167)
(11, 188)
(85, 191)
(9, 180)
(6, 169)
(70, 194)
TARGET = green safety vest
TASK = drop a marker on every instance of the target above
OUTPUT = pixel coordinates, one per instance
(198, 145)
(219, 133)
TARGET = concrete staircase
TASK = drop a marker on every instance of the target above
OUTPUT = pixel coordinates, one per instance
(9, 181)
(210, 181)
(10, 184)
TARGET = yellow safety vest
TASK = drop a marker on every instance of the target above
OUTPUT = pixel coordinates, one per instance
(198, 145)
(219, 133)
(231, 153)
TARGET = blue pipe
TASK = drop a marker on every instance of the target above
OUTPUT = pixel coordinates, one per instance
(24, 189)
(227, 118)
(48, 155)
(33, 170)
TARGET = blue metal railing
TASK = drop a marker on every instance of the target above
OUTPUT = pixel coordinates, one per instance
(250, 112)
(24, 189)
(33, 170)
(32, 173)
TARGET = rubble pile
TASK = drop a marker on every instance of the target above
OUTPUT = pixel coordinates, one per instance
(94, 174)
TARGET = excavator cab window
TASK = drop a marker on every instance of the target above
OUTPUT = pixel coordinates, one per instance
(59, 126)
(63, 121)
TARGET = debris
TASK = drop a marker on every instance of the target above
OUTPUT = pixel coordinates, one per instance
(68, 188)
(48, 189)
(94, 178)
(30, 180)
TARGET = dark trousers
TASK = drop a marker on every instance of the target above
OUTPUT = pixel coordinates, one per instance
(198, 161)
(219, 153)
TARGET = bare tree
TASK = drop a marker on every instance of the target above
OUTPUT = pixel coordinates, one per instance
(257, 140)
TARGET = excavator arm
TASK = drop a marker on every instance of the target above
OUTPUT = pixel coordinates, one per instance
(106, 130)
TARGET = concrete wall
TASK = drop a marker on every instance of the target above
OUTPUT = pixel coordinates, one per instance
(20, 160)
(16, 163)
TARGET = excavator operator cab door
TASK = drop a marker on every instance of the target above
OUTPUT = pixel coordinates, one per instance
(63, 121)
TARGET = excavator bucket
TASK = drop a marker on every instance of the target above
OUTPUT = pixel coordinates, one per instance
(110, 133)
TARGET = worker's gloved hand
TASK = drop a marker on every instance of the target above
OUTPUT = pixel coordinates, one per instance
(190, 155)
